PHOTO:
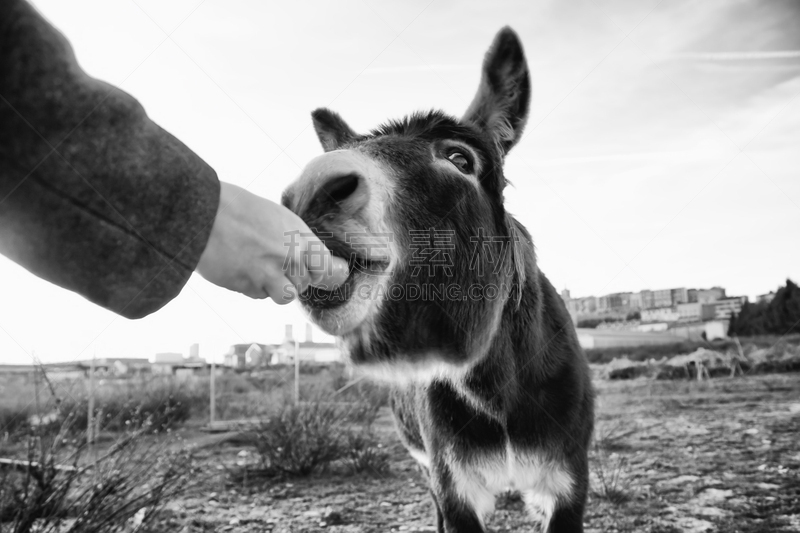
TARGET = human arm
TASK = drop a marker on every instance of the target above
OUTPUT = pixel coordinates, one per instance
(94, 196)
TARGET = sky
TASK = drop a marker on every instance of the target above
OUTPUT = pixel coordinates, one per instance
(662, 150)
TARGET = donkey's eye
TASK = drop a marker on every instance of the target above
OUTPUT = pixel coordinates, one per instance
(461, 161)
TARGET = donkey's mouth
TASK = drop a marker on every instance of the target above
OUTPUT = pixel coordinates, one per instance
(361, 269)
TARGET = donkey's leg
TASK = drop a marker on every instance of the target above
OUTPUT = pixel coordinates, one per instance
(540, 507)
(560, 513)
(439, 516)
(550, 519)
(568, 519)
(461, 498)
(454, 515)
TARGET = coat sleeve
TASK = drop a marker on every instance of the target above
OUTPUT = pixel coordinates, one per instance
(94, 196)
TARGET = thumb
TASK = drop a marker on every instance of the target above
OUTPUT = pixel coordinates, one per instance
(333, 272)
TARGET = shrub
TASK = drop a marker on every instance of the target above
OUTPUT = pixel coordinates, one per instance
(608, 464)
(160, 405)
(14, 420)
(123, 490)
(340, 376)
(363, 453)
(609, 470)
(303, 438)
(300, 438)
(362, 413)
(609, 436)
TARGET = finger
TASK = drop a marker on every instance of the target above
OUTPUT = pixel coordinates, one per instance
(280, 289)
(301, 283)
(324, 267)
(335, 274)
(297, 273)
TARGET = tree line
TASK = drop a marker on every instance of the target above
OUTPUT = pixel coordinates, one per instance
(780, 316)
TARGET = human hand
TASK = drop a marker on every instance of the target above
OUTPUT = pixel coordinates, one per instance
(248, 249)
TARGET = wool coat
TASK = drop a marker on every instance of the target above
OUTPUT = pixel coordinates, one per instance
(94, 196)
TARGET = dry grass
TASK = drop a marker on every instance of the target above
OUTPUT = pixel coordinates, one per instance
(60, 486)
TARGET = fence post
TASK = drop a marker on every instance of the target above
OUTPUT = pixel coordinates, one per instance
(213, 406)
(97, 423)
(90, 417)
(296, 373)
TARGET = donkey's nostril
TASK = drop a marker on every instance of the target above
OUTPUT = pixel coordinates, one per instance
(340, 188)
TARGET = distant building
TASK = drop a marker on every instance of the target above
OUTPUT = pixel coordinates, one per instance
(679, 296)
(582, 306)
(698, 331)
(647, 298)
(636, 300)
(717, 329)
(660, 314)
(308, 351)
(696, 312)
(668, 297)
(765, 298)
(707, 296)
(725, 307)
(172, 363)
(169, 357)
(619, 302)
(121, 366)
(662, 298)
(251, 354)
(255, 355)
(117, 366)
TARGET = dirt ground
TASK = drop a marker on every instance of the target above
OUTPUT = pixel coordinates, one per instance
(721, 455)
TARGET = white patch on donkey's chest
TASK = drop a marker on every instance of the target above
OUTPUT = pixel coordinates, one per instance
(542, 482)
(405, 373)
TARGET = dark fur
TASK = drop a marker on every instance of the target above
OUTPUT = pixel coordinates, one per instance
(527, 381)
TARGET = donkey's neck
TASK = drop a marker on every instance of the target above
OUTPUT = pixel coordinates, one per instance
(536, 338)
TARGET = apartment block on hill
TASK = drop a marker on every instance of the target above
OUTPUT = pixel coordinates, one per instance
(661, 305)
(725, 307)
(696, 311)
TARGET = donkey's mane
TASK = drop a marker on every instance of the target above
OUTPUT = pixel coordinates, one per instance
(433, 124)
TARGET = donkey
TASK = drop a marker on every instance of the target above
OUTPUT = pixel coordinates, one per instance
(490, 389)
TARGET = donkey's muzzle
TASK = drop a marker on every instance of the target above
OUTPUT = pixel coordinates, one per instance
(332, 185)
(338, 189)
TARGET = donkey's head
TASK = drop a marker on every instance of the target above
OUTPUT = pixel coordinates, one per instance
(416, 206)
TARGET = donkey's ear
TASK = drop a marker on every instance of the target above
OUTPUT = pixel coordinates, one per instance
(331, 129)
(501, 105)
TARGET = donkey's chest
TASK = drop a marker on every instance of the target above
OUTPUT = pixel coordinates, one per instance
(513, 468)
(480, 478)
